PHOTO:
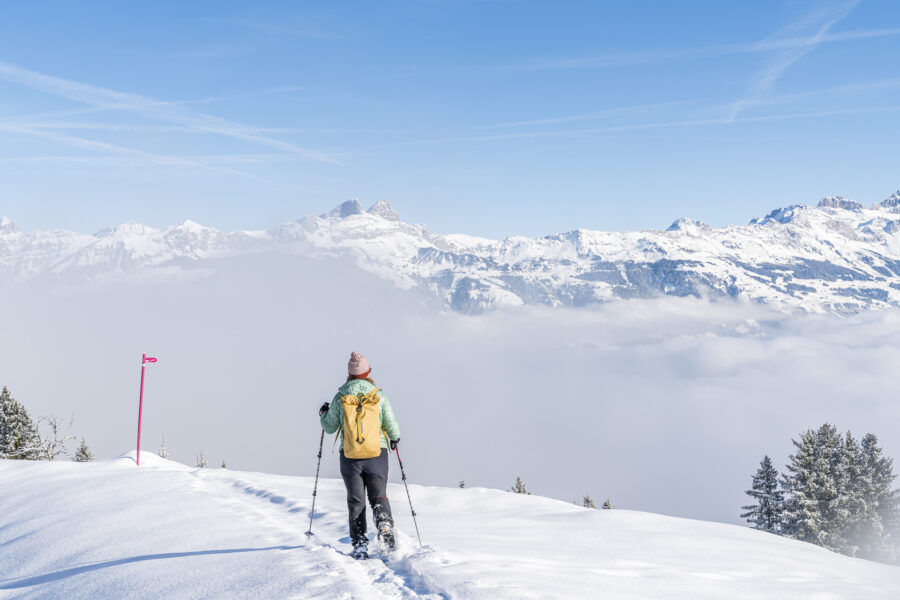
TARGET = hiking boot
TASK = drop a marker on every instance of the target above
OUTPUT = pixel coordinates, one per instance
(360, 552)
(386, 536)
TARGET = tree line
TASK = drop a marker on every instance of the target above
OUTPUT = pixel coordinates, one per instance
(837, 493)
(21, 438)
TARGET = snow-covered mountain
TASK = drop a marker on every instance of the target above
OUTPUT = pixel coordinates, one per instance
(110, 529)
(834, 257)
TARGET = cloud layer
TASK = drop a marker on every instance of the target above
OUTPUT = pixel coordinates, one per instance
(660, 405)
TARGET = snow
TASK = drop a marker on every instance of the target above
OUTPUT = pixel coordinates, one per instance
(7, 226)
(789, 259)
(110, 529)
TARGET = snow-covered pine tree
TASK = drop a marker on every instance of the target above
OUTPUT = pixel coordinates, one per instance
(519, 487)
(817, 511)
(201, 460)
(886, 502)
(587, 502)
(4, 425)
(19, 437)
(800, 518)
(862, 522)
(834, 497)
(607, 505)
(462, 483)
(766, 513)
(163, 451)
(224, 466)
(83, 454)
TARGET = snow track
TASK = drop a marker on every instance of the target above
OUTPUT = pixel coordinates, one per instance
(320, 564)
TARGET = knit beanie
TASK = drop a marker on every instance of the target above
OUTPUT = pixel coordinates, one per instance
(358, 365)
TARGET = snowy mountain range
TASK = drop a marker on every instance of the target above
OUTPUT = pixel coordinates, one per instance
(837, 257)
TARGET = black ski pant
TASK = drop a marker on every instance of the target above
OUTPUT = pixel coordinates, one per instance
(366, 477)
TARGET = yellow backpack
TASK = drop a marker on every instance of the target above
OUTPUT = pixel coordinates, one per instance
(362, 425)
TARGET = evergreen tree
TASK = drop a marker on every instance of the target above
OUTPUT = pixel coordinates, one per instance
(519, 487)
(83, 454)
(19, 437)
(5, 399)
(801, 518)
(862, 524)
(883, 539)
(766, 514)
(224, 466)
(834, 487)
(201, 460)
(587, 502)
(607, 505)
(163, 451)
(462, 483)
(818, 510)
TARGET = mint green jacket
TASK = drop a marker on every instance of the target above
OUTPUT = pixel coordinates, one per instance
(335, 415)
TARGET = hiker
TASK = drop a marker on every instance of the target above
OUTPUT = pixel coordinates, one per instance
(368, 427)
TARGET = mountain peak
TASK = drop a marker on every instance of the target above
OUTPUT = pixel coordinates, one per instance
(891, 203)
(839, 202)
(191, 226)
(688, 225)
(124, 230)
(346, 209)
(383, 209)
(782, 215)
(8, 226)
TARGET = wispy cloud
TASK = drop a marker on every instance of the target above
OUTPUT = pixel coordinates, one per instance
(821, 21)
(599, 114)
(667, 55)
(772, 100)
(168, 112)
(594, 131)
(140, 157)
(175, 129)
(146, 160)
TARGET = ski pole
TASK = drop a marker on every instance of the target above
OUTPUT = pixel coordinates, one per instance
(412, 510)
(316, 485)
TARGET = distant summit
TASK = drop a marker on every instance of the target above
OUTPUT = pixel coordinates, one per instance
(781, 215)
(7, 226)
(688, 225)
(351, 207)
(892, 203)
(346, 209)
(383, 209)
(839, 202)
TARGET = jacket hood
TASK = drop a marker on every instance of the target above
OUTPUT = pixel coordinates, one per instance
(356, 386)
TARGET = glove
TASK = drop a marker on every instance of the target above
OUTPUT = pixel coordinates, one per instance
(324, 409)
(394, 443)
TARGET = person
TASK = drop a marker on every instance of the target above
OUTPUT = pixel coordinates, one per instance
(364, 477)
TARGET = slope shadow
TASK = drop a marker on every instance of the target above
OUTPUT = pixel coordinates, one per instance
(57, 575)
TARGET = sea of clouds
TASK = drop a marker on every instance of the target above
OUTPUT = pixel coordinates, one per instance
(663, 405)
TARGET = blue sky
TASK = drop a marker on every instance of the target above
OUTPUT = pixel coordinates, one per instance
(486, 117)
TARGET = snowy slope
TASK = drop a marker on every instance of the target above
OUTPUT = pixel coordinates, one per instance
(836, 257)
(113, 530)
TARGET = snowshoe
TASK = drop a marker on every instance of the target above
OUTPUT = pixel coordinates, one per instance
(360, 552)
(386, 541)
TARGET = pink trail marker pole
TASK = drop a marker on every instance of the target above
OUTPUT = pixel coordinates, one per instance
(144, 360)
